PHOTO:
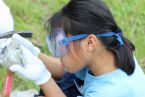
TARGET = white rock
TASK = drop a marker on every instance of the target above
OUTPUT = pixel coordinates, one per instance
(10, 54)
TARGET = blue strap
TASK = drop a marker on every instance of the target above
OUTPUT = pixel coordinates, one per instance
(77, 37)
(73, 38)
(118, 37)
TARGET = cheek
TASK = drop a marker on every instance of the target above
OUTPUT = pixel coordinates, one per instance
(72, 61)
(72, 64)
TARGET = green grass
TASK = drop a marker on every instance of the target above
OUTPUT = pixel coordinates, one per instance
(29, 15)
(130, 15)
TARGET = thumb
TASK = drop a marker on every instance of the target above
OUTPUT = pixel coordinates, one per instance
(21, 40)
(16, 68)
(17, 37)
(26, 43)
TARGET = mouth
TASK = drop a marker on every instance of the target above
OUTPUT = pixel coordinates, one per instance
(62, 65)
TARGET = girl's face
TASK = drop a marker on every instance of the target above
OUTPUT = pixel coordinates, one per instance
(81, 55)
(75, 53)
(73, 61)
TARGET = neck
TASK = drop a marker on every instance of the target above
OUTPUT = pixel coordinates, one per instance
(102, 64)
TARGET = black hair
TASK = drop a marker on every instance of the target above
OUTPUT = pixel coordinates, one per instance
(93, 17)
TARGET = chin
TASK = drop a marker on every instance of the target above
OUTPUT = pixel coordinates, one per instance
(71, 71)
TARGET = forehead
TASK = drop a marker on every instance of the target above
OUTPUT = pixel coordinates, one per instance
(58, 32)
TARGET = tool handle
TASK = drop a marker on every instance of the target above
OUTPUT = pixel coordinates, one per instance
(7, 86)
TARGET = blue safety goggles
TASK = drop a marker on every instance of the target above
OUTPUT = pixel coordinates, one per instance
(58, 43)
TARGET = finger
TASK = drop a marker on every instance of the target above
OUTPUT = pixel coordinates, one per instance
(27, 55)
(26, 51)
(18, 38)
(16, 68)
(8, 41)
(22, 41)
(19, 70)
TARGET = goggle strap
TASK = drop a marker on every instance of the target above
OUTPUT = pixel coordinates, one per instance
(118, 37)
(77, 37)
(73, 38)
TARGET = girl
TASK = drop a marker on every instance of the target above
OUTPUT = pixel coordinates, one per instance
(89, 43)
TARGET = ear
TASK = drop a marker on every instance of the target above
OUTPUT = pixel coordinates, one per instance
(90, 43)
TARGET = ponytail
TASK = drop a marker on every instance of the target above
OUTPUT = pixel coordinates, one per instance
(123, 53)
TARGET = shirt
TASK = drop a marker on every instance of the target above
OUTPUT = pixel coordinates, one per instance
(114, 84)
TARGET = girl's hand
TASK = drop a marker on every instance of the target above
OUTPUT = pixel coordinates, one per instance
(32, 69)
(27, 44)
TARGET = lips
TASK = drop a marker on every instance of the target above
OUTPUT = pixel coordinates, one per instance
(62, 65)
